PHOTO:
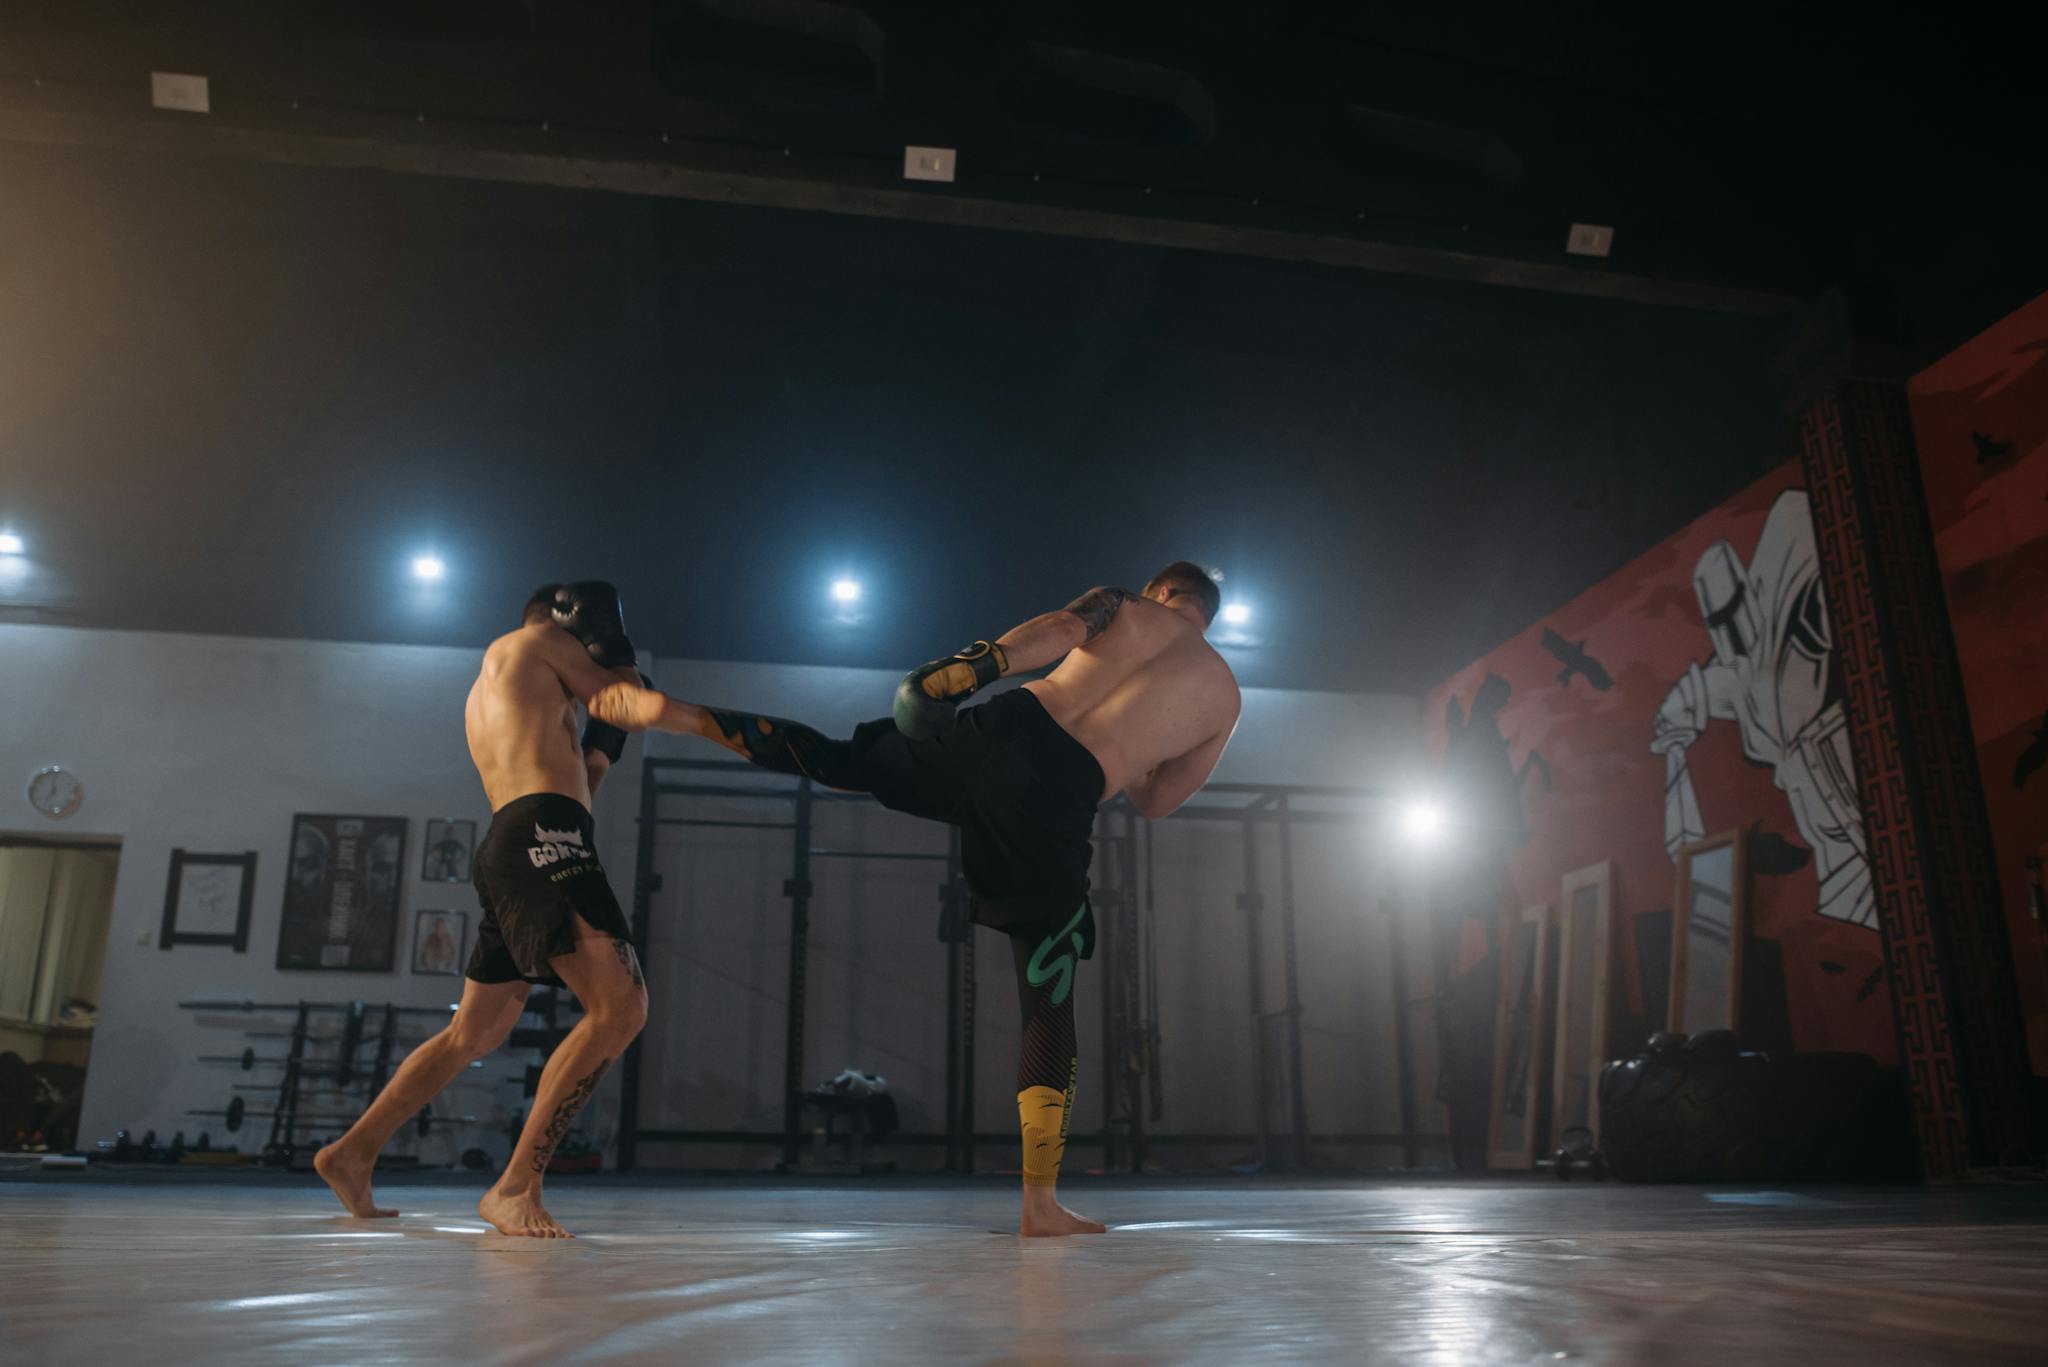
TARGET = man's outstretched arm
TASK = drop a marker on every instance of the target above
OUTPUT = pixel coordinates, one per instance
(1050, 635)
(928, 696)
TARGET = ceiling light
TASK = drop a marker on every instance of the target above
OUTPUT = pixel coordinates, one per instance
(1422, 821)
(428, 568)
(10, 544)
(1236, 614)
(845, 591)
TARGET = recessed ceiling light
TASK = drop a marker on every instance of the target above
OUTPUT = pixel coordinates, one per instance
(10, 544)
(1422, 821)
(428, 567)
(1236, 614)
(845, 591)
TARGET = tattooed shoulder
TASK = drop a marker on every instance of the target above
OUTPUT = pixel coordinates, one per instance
(1098, 607)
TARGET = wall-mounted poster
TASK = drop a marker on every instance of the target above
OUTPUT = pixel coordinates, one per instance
(446, 850)
(341, 893)
(437, 942)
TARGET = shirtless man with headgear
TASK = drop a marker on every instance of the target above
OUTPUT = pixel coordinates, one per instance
(549, 915)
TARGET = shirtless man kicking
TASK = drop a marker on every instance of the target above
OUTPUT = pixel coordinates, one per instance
(1140, 705)
(548, 912)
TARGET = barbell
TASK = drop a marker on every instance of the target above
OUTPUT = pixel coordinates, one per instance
(237, 1112)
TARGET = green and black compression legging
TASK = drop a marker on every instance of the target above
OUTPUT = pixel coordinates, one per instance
(1047, 1062)
(925, 780)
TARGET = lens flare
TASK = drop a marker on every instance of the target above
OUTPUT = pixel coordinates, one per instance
(1422, 821)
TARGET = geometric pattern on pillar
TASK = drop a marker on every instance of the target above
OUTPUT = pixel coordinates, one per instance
(1946, 944)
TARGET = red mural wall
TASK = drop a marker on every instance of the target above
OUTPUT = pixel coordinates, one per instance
(1980, 422)
(1689, 694)
(1694, 692)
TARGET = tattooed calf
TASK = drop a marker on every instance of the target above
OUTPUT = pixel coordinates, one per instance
(558, 1123)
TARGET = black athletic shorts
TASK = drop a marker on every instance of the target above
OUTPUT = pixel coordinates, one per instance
(536, 873)
(1023, 793)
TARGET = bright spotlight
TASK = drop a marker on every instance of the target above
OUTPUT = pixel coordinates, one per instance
(428, 568)
(1236, 614)
(1422, 822)
(10, 544)
(845, 591)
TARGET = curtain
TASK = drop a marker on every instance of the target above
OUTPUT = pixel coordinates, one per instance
(25, 875)
(75, 943)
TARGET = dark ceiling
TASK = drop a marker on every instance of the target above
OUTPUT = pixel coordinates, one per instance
(239, 395)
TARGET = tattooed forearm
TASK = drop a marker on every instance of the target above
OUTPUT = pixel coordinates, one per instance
(629, 961)
(1097, 608)
(558, 1124)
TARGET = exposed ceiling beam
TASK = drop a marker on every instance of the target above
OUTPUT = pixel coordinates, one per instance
(624, 164)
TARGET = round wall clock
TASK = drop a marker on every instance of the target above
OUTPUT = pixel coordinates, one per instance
(55, 792)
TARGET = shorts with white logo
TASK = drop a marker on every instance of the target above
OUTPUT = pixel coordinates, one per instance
(536, 874)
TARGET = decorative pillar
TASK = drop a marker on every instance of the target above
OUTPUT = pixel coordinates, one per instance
(1949, 954)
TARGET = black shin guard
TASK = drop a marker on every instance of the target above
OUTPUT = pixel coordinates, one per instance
(788, 747)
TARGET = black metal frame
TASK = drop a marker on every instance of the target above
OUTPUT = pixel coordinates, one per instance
(236, 939)
(803, 797)
(1130, 1030)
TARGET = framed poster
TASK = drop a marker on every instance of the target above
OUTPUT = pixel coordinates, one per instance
(1521, 1048)
(437, 942)
(208, 900)
(445, 851)
(341, 893)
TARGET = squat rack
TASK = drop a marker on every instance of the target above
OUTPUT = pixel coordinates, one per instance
(673, 778)
(1123, 905)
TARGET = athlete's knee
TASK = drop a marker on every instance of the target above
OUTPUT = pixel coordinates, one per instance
(474, 1037)
(620, 1015)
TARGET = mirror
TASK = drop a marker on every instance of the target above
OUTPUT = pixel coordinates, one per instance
(1521, 1049)
(1585, 948)
(1709, 922)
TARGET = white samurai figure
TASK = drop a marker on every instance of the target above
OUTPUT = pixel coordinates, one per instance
(1774, 675)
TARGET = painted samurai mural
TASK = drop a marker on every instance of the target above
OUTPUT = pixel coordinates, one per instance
(1773, 674)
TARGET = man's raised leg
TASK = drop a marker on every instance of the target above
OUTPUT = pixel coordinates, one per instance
(776, 743)
(487, 1013)
(876, 759)
(605, 976)
(1047, 1066)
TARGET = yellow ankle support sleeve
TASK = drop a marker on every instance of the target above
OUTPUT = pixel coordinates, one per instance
(1043, 1114)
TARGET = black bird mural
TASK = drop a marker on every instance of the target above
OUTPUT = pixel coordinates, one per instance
(1870, 984)
(1772, 854)
(2033, 757)
(1576, 661)
(1990, 448)
(1830, 967)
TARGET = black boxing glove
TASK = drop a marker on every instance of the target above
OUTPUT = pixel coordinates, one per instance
(606, 739)
(930, 695)
(603, 737)
(589, 610)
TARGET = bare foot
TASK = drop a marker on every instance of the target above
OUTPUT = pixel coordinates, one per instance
(1046, 1218)
(350, 1178)
(520, 1213)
